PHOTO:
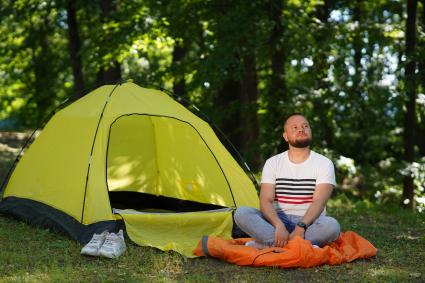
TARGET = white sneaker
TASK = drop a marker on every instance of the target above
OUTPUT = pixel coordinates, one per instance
(114, 245)
(92, 247)
(255, 244)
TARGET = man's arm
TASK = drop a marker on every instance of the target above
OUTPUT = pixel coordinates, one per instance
(267, 195)
(320, 197)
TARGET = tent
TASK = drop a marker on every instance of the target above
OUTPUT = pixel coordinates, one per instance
(128, 155)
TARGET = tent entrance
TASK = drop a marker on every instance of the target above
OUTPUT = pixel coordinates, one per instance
(150, 203)
(162, 163)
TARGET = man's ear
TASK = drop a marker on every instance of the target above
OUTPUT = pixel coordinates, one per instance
(285, 137)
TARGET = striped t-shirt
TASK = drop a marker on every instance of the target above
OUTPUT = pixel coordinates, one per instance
(295, 182)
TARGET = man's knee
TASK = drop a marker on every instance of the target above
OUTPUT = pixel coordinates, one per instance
(333, 228)
(329, 229)
(324, 230)
(243, 213)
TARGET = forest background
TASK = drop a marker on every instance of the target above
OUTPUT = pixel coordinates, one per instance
(356, 69)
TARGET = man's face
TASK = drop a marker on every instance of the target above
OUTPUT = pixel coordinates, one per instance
(297, 132)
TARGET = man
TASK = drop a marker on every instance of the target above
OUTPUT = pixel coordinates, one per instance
(295, 187)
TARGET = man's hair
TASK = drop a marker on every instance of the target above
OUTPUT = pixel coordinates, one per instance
(291, 115)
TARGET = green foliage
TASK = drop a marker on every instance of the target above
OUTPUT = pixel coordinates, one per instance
(31, 59)
(342, 66)
(416, 170)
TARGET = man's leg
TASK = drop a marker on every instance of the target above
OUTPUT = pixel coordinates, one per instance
(252, 222)
(322, 231)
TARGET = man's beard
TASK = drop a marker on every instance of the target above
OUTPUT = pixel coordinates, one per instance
(302, 143)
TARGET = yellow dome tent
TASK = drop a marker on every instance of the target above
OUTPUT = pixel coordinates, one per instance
(126, 154)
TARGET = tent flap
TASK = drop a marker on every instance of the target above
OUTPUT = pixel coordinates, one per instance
(176, 231)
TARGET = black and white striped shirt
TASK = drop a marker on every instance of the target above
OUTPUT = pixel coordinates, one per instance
(295, 182)
(294, 191)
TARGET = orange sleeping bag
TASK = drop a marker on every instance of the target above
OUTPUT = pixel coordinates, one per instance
(297, 253)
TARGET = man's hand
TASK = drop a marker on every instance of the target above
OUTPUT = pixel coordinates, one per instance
(298, 231)
(281, 235)
(267, 196)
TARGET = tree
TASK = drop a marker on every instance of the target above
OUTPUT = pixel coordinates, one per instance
(320, 72)
(74, 48)
(410, 114)
(32, 59)
(109, 71)
(277, 97)
(179, 83)
(230, 67)
(421, 126)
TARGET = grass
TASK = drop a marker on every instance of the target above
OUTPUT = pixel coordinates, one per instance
(30, 254)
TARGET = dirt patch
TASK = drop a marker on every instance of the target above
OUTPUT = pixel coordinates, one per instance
(14, 139)
(10, 145)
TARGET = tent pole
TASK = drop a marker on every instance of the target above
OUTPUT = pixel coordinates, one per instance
(92, 148)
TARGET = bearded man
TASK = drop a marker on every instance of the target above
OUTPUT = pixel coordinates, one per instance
(295, 187)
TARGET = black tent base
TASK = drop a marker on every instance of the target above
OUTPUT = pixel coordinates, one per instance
(42, 215)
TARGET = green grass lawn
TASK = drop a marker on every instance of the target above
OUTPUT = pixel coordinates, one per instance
(29, 254)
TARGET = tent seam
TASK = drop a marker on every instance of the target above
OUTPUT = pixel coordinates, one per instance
(92, 148)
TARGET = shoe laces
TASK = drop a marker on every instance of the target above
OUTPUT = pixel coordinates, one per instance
(96, 239)
(110, 239)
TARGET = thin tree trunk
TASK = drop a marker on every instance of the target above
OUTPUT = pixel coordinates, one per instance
(226, 103)
(248, 113)
(42, 95)
(320, 70)
(421, 127)
(357, 46)
(43, 89)
(410, 115)
(179, 84)
(278, 91)
(278, 81)
(110, 73)
(74, 49)
(356, 89)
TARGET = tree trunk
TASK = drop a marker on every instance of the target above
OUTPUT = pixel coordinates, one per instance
(44, 95)
(277, 97)
(278, 81)
(227, 106)
(74, 49)
(320, 71)
(179, 83)
(42, 91)
(421, 127)
(356, 89)
(111, 73)
(248, 113)
(410, 115)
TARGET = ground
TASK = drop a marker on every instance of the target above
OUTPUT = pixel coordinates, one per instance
(30, 254)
